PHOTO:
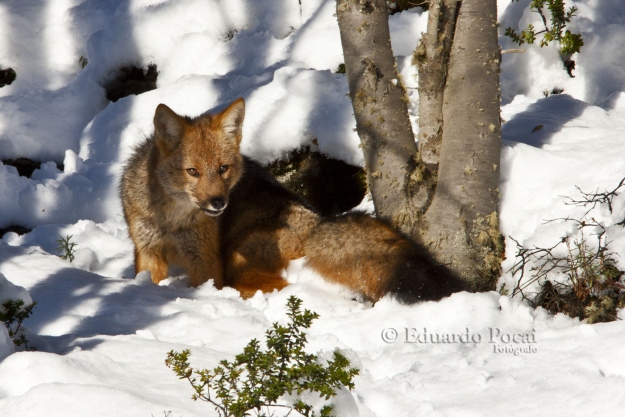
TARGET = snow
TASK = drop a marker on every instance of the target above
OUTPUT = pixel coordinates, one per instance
(102, 334)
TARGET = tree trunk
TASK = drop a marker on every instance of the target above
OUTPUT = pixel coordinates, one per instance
(432, 60)
(380, 107)
(462, 226)
(445, 192)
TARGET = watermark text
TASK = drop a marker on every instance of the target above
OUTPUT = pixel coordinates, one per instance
(500, 340)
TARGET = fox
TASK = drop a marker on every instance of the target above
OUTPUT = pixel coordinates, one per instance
(191, 199)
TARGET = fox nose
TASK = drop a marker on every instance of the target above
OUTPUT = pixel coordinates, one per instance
(217, 203)
(214, 206)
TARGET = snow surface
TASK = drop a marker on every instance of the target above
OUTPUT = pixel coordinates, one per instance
(102, 336)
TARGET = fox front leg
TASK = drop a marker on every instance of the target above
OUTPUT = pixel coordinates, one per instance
(205, 269)
(154, 262)
(198, 252)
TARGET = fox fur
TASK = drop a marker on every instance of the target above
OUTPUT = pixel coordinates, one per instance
(191, 199)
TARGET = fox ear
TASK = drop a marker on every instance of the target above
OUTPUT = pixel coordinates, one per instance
(168, 127)
(231, 119)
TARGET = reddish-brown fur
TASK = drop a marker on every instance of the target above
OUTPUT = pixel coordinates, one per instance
(170, 187)
(191, 199)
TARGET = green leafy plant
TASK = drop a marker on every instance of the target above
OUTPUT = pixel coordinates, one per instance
(66, 247)
(258, 378)
(12, 314)
(554, 29)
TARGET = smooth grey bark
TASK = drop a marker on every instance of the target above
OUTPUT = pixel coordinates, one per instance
(432, 60)
(380, 106)
(445, 193)
(462, 223)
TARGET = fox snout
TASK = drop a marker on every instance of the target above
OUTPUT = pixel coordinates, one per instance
(214, 206)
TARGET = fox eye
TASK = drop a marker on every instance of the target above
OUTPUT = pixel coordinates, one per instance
(223, 168)
(193, 172)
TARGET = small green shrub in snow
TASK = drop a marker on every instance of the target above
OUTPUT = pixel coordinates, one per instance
(66, 247)
(12, 314)
(257, 378)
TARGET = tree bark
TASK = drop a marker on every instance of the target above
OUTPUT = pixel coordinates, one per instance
(380, 107)
(462, 226)
(443, 193)
(432, 59)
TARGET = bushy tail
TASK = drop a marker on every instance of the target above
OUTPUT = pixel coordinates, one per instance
(367, 255)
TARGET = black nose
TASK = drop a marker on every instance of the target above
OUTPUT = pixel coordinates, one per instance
(217, 203)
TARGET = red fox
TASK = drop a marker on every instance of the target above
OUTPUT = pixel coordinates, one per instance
(190, 198)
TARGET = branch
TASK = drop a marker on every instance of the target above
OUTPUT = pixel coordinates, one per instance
(540, 12)
(595, 198)
(544, 258)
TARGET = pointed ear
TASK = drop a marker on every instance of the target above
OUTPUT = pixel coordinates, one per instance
(231, 119)
(168, 128)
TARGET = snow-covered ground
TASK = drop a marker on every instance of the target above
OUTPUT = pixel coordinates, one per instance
(102, 335)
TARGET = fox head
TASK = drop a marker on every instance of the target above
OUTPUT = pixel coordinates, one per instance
(198, 158)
